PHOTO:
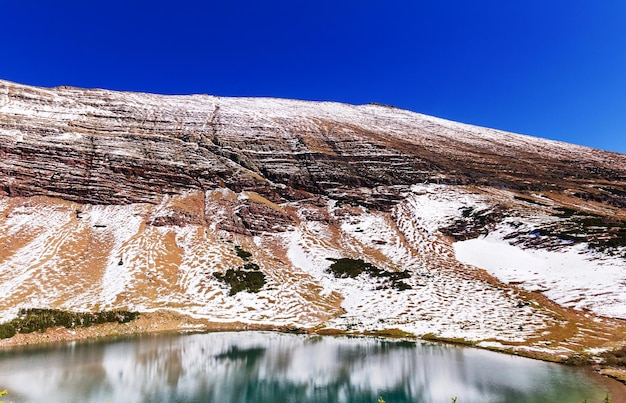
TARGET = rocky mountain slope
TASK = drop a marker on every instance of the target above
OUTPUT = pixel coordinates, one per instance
(318, 216)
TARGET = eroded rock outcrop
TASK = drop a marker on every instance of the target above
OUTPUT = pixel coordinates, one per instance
(105, 147)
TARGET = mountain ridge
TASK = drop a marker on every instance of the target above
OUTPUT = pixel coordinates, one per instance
(146, 202)
(417, 150)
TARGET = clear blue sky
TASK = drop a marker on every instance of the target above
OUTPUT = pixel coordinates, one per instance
(549, 68)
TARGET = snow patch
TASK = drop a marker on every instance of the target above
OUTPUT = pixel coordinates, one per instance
(571, 276)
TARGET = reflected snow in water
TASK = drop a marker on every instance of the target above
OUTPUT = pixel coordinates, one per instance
(275, 367)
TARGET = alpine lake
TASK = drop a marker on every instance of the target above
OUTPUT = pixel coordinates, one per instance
(277, 367)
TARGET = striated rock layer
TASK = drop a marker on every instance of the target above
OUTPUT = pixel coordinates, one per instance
(107, 147)
(124, 200)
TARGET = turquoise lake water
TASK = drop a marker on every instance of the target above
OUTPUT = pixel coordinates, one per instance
(274, 367)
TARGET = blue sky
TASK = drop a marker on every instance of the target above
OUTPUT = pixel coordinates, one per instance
(548, 68)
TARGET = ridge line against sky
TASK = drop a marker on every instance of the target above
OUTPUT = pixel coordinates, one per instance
(550, 69)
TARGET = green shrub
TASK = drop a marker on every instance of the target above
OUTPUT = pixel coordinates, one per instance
(243, 254)
(615, 357)
(245, 278)
(346, 267)
(242, 280)
(602, 233)
(251, 266)
(38, 320)
(6, 330)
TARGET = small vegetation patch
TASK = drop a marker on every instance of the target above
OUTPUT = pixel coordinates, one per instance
(615, 357)
(344, 267)
(577, 360)
(242, 280)
(605, 234)
(36, 319)
(248, 277)
(452, 340)
(351, 268)
(242, 253)
(474, 223)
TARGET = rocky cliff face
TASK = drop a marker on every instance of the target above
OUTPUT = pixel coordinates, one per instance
(116, 148)
(141, 201)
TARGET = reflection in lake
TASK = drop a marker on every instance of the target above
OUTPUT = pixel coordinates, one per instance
(274, 367)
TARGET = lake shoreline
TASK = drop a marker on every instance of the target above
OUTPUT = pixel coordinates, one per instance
(165, 321)
(194, 364)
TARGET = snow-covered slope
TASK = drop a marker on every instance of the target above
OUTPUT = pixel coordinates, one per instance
(139, 201)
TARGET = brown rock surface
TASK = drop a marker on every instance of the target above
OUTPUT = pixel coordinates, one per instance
(104, 147)
(123, 200)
